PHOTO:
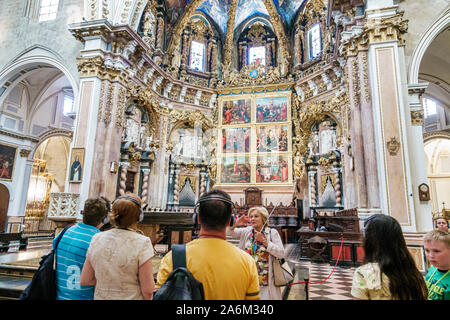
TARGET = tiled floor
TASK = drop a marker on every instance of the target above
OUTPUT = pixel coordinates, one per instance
(337, 287)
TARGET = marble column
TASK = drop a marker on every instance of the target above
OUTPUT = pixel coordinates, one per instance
(123, 177)
(387, 82)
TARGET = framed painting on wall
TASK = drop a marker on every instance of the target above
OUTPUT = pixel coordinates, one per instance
(76, 165)
(271, 109)
(236, 140)
(236, 111)
(272, 169)
(7, 161)
(235, 170)
(273, 138)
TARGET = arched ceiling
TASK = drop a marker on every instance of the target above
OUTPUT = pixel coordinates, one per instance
(435, 65)
(218, 10)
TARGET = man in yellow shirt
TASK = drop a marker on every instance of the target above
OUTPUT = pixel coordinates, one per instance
(226, 272)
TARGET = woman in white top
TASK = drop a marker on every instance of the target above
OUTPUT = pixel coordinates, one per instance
(119, 261)
(263, 245)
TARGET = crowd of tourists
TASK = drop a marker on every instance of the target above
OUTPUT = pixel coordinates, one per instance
(106, 256)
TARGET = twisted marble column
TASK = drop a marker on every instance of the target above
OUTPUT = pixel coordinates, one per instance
(337, 188)
(123, 177)
(144, 195)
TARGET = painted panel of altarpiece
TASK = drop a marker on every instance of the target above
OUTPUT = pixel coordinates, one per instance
(236, 140)
(235, 170)
(255, 149)
(236, 112)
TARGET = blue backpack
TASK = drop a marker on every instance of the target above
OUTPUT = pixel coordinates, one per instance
(180, 284)
(43, 284)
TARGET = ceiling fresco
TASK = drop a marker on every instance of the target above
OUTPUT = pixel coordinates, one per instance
(218, 10)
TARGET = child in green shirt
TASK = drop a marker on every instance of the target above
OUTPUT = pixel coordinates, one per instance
(437, 251)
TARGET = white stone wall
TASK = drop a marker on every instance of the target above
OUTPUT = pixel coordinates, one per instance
(21, 30)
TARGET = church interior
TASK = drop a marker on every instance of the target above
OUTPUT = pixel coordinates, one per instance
(323, 111)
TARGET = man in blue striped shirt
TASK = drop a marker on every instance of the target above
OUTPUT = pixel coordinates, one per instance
(72, 249)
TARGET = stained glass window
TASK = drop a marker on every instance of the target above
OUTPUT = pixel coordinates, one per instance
(315, 43)
(257, 54)
(197, 56)
(48, 10)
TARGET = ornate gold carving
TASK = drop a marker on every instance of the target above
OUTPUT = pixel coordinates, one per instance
(304, 116)
(109, 104)
(253, 74)
(393, 146)
(228, 48)
(101, 102)
(121, 100)
(325, 163)
(417, 117)
(24, 153)
(176, 36)
(366, 78)
(281, 35)
(95, 67)
(387, 28)
(377, 30)
(355, 82)
(257, 33)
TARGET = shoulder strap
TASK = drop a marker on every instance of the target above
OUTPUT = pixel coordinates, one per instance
(178, 256)
(61, 235)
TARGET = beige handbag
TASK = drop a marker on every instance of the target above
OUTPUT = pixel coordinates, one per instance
(282, 273)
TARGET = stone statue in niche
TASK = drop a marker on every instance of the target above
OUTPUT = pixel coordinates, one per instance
(148, 28)
(328, 198)
(327, 140)
(313, 144)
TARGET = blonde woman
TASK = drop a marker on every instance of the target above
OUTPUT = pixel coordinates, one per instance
(119, 261)
(263, 245)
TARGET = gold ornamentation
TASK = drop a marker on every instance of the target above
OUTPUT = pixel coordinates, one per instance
(281, 36)
(393, 146)
(251, 75)
(325, 163)
(190, 166)
(416, 117)
(109, 104)
(355, 80)
(228, 48)
(101, 102)
(377, 30)
(121, 100)
(257, 33)
(304, 116)
(176, 36)
(366, 78)
(24, 153)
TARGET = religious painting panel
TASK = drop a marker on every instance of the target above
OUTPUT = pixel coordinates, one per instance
(235, 170)
(272, 169)
(76, 165)
(236, 140)
(273, 138)
(272, 109)
(236, 111)
(7, 161)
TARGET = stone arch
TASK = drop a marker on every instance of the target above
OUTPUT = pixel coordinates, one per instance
(432, 32)
(31, 58)
(4, 204)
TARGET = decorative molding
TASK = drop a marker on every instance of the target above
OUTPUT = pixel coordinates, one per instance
(24, 153)
(393, 146)
(417, 117)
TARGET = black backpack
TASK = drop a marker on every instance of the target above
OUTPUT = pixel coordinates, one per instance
(43, 284)
(180, 284)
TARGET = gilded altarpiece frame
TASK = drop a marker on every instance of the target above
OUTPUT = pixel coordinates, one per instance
(255, 139)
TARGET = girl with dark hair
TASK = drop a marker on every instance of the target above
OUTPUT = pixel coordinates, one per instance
(388, 271)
